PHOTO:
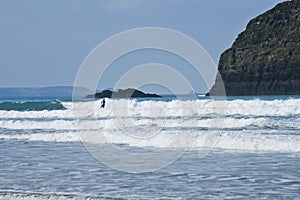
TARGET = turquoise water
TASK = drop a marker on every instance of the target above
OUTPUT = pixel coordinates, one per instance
(255, 156)
(28, 106)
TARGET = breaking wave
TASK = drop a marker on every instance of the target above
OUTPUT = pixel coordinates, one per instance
(251, 125)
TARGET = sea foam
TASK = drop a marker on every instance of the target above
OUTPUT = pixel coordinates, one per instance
(257, 125)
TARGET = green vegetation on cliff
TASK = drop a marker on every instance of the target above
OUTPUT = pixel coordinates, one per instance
(265, 58)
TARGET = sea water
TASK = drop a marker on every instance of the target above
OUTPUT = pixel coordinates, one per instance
(256, 154)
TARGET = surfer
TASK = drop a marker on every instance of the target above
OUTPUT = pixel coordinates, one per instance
(103, 103)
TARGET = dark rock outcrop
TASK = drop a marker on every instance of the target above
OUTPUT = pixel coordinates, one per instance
(127, 93)
(265, 58)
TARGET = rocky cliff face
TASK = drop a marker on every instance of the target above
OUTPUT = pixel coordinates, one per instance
(265, 58)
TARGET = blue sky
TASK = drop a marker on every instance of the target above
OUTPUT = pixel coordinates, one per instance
(43, 43)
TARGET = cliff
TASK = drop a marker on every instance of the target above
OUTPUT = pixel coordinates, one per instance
(127, 93)
(265, 58)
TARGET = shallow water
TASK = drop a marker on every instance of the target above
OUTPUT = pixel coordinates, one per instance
(66, 170)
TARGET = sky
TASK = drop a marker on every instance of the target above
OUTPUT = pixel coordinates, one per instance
(43, 43)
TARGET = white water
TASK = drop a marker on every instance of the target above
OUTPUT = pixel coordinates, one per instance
(251, 125)
(289, 107)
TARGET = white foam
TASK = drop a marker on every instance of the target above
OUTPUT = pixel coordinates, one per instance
(15, 195)
(36, 114)
(54, 124)
(256, 142)
(44, 137)
(119, 108)
(242, 140)
(250, 124)
(264, 108)
(145, 124)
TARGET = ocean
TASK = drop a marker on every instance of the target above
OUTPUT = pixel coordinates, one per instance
(248, 148)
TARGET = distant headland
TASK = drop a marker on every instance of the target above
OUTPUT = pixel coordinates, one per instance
(265, 58)
(126, 93)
